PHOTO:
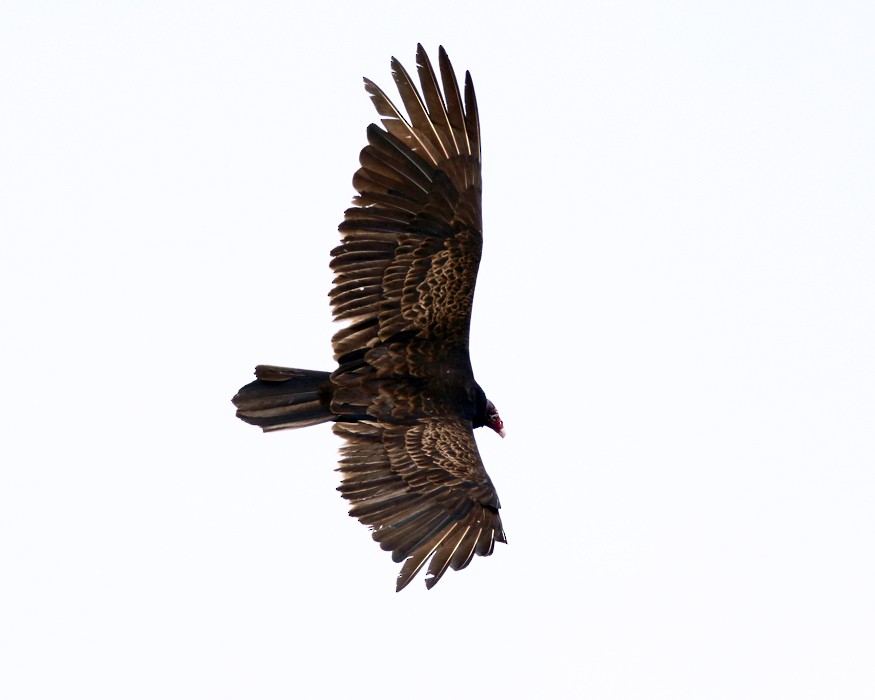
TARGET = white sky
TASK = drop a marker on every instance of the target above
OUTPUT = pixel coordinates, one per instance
(675, 316)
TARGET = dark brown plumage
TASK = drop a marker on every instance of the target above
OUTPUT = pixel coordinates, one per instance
(403, 396)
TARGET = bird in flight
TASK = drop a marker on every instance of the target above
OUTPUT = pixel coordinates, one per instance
(403, 396)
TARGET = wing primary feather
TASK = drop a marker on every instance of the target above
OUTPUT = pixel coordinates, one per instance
(395, 122)
(472, 117)
(465, 551)
(419, 118)
(404, 541)
(455, 112)
(389, 144)
(441, 559)
(437, 108)
(415, 562)
(386, 108)
(485, 542)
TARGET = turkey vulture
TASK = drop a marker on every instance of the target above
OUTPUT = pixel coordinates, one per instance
(403, 396)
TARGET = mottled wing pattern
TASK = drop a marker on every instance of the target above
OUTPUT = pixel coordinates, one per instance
(404, 283)
(423, 490)
(407, 264)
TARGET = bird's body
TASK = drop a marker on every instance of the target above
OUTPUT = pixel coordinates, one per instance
(403, 395)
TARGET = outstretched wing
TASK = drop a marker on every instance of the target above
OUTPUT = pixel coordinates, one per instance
(404, 283)
(407, 264)
(423, 490)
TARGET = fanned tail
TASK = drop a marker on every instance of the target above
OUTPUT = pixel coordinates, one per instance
(282, 398)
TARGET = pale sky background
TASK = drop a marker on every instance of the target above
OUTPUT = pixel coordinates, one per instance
(675, 315)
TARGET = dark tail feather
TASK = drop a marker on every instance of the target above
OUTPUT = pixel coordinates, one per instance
(285, 398)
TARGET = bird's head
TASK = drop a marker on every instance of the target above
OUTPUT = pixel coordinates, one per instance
(493, 420)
